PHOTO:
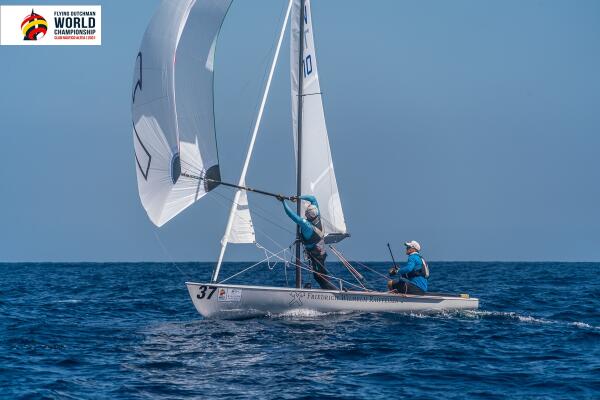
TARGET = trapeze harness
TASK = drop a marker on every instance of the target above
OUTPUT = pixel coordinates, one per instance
(317, 254)
(423, 271)
(317, 239)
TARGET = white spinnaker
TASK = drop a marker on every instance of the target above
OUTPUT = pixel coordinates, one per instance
(172, 106)
(318, 177)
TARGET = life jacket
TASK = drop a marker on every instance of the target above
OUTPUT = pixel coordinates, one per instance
(317, 239)
(423, 271)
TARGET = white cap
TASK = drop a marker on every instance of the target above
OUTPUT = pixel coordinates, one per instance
(413, 244)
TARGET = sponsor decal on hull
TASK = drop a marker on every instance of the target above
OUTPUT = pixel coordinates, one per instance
(230, 294)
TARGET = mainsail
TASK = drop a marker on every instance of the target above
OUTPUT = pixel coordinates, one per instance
(172, 107)
(318, 177)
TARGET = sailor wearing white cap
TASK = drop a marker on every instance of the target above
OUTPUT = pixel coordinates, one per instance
(414, 275)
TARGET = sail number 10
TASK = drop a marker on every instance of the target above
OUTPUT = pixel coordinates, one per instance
(203, 291)
(307, 65)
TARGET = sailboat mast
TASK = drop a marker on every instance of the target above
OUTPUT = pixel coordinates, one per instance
(299, 144)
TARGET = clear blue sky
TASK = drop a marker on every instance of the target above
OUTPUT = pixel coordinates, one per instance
(470, 126)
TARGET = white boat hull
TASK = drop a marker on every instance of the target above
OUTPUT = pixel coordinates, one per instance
(223, 301)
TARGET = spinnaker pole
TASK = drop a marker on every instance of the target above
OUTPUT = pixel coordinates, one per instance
(240, 187)
(299, 144)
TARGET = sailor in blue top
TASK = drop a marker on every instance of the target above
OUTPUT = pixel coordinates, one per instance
(413, 276)
(312, 237)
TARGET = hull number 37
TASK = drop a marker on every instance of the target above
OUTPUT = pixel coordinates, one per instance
(206, 292)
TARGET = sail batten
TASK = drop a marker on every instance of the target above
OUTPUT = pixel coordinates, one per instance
(317, 174)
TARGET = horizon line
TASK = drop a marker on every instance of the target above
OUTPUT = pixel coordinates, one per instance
(254, 261)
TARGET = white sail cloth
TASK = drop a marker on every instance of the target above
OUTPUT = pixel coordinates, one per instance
(242, 230)
(172, 106)
(318, 177)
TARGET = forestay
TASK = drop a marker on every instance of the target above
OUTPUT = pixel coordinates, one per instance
(239, 225)
(318, 177)
(172, 106)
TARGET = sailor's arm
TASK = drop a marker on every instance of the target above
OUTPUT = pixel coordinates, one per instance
(305, 226)
(311, 199)
(410, 265)
(295, 217)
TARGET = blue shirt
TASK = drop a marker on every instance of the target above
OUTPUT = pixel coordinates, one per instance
(415, 263)
(306, 228)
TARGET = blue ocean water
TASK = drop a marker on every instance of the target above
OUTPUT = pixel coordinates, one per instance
(130, 331)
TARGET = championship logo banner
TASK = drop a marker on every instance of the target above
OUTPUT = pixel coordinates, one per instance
(50, 25)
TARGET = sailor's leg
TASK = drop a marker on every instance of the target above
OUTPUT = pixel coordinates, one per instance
(404, 287)
(413, 289)
(398, 286)
(317, 264)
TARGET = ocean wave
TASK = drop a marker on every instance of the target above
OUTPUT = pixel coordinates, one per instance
(507, 315)
(131, 331)
(306, 313)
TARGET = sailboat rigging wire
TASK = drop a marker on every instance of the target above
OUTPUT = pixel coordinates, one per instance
(359, 278)
(164, 249)
(260, 246)
(254, 265)
(265, 71)
(225, 198)
(373, 270)
(337, 279)
(268, 258)
(259, 215)
(285, 265)
(260, 230)
(263, 64)
(242, 179)
(303, 266)
(347, 264)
